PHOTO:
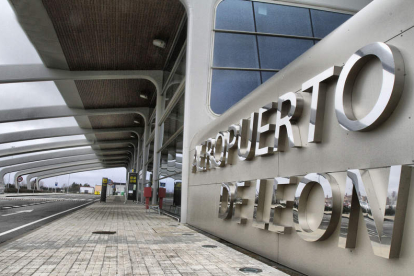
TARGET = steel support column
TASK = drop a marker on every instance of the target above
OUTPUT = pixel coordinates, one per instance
(159, 131)
(145, 157)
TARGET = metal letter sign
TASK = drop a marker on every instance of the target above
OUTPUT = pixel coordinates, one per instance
(385, 230)
(276, 122)
(249, 137)
(391, 89)
(331, 211)
(317, 86)
(231, 201)
(268, 216)
(288, 121)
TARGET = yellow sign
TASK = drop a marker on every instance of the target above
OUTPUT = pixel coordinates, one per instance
(132, 178)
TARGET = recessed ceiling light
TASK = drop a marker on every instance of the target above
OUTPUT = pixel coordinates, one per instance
(159, 43)
(143, 95)
(132, 136)
(137, 122)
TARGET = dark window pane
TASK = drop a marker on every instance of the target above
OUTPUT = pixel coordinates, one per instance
(325, 22)
(280, 19)
(235, 50)
(277, 52)
(230, 86)
(267, 75)
(235, 15)
(174, 121)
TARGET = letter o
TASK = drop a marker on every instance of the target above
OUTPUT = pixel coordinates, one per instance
(220, 149)
(332, 207)
(391, 88)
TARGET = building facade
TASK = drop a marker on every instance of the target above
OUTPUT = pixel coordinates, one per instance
(283, 127)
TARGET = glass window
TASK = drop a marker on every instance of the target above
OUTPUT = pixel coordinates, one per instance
(235, 15)
(172, 88)
(175, 120)
(238, 51)
(170, 175)
(280, 19)
(277, 52)
(267, 75)
(152, 125)
(235, 50)
(230, 86)
(325, 22)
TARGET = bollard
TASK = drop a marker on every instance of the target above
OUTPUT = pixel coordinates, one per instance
(147, 195)
(161, 194)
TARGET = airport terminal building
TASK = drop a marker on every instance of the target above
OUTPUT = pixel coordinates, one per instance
(283, 127)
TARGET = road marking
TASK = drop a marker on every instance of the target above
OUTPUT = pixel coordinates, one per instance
(18, 212)
(34, 222)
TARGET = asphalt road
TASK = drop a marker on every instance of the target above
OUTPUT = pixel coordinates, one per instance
(27, 217)
(5, 204)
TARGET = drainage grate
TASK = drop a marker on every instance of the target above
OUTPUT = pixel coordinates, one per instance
(209, 246)
(104, 232)
(187, 234)
(250, 270)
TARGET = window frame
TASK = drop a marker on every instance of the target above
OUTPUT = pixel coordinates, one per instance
(214, 31)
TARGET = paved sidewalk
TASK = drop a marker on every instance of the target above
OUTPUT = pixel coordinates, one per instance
(144, 244)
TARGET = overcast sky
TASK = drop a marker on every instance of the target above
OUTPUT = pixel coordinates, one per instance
(15, 48)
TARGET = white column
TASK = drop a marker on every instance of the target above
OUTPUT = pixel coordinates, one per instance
(137, 168)
(144, 158)
(159, 133)
(196, 112)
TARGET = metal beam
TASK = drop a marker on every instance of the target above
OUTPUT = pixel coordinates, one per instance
(58, 132)
(61, 145)
(36, 113)
(38, 72)
(56, 162)
(52, 155)
(67, 166)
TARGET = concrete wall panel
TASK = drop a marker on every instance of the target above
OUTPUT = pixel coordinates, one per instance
(389, 144)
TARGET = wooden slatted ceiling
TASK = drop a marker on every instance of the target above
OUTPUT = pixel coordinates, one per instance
(118, 120)
(104, 147)
(114, 93)
(115, 34)
(113, 136)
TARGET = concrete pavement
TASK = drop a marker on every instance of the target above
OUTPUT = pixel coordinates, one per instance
(144, 244)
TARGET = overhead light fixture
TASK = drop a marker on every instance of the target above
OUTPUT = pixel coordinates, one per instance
(159, 43)
(132, 136)
(137, 122)
(143, 95)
